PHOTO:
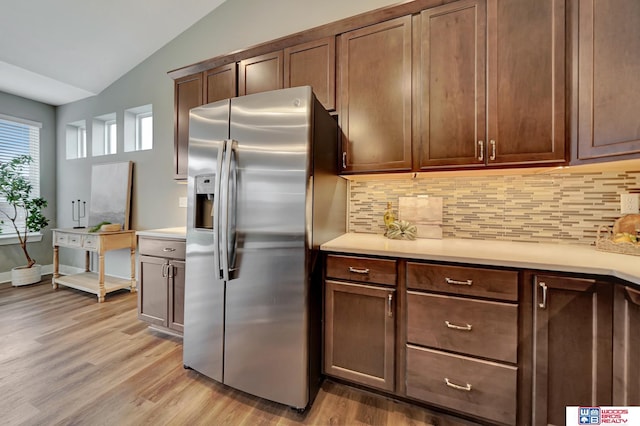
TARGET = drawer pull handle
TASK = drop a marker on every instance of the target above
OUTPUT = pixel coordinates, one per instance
(389, 301)
(358, 271)
(168, 249)
(456, 282)
(543, 305)
(466, 327)
(466, 388)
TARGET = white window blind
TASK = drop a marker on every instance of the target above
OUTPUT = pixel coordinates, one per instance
(20, 137)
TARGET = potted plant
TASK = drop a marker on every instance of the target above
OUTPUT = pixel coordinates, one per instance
(19, 205)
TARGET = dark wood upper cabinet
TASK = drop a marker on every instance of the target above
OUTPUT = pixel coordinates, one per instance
(375, 97)
(432, 84)
(449, 85)
(220, 83)
(572, 360)
(526, 81)
(608, 78)
(313, 64)
(261, 73)
(489, 84)
(188, 94)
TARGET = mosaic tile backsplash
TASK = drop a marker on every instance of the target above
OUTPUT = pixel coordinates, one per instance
(557, 207)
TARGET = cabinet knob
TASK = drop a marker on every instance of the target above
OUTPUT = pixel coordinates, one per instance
(493, 150)
(480, 150)
(344, 160)
(389, 301)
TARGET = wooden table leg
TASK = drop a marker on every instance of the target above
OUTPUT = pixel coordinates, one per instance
(56, 272)
(86, 261)
(101, 290)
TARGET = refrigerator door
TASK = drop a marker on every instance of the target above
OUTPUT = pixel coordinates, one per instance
(266, 332)
(203, 340)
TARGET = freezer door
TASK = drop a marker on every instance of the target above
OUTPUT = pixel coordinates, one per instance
(204, 289)
(266, 342)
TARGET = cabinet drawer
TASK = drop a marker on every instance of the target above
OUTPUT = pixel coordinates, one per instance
(463, 280)
(475, 327)
(159, 247)
(364, 269)
(479, 388)
(90, 242)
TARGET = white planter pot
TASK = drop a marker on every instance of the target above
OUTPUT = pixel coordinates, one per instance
(21, 275)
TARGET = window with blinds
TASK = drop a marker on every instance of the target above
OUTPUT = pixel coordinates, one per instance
(20, 137)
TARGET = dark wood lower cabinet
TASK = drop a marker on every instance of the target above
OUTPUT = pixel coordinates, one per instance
(360, 333)
(161, 273)
(516, 357)
(626, 346)
(572, 361)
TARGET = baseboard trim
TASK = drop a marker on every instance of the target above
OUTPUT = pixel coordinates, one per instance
(5, 277)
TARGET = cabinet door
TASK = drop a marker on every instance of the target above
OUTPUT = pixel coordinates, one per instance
(608, 78)
(526, 77)
(375, 97)
(626, 346)
(450, 112)
(176, 295)
(220, 83)
(572, 356)
(313, 64)
(152, 290)
(260, 74)
(360, 333)
(188, 94)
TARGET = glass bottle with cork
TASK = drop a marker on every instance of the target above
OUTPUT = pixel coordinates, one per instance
(389, 217)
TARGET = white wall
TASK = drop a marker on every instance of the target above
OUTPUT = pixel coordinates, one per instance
(235, 25)
(15, 106)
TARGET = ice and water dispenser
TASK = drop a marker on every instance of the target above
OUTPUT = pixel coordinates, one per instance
(205, 193)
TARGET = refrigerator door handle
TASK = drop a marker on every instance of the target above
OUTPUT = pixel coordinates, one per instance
(228, 186)
(215, 212)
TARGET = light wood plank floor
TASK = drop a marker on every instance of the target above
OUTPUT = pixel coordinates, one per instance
(67, 360)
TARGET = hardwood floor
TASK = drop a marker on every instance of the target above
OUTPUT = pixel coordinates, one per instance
(67, 360)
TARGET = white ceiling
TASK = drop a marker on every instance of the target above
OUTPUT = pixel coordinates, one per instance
(61, 51)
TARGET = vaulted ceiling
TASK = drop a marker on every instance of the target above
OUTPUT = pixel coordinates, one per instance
(61, 51)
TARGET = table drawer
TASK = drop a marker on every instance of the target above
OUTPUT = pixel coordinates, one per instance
(463, 280)
(74, 240)
(60, 239)
(363, 269)
(160, 247)
(476, 387)
(474, 327)
(90, 242)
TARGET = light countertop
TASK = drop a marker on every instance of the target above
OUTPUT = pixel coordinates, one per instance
(549, 257)
(178, 232)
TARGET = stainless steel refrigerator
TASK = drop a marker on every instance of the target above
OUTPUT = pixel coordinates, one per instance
(263, 194)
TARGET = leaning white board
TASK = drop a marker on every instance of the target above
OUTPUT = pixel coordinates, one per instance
(110, 193)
